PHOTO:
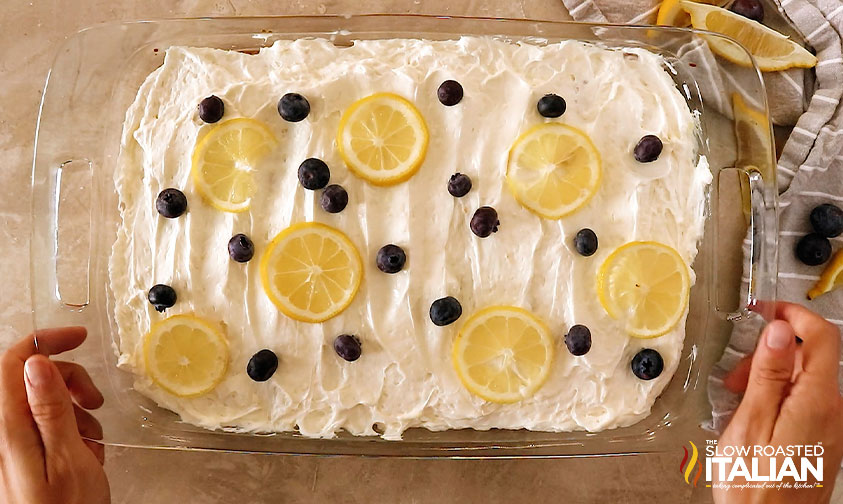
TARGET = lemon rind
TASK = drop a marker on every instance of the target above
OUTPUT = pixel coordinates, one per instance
(828, 278)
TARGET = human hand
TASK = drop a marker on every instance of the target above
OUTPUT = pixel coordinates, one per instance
(43, 456)
(791, 398)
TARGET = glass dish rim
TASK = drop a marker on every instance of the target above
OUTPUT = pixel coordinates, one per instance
(285, 18)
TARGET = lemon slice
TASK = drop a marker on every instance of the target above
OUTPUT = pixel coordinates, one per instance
(185, 355)
(383, 138)
(646, 284)
(553, 169)
(503, 354)
(311, 272)
(771, 49)
(831, 278)
(224, 159)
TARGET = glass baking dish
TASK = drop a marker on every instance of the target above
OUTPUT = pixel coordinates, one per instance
(94, 78)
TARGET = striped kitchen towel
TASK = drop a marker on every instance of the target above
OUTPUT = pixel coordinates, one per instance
(810, 168)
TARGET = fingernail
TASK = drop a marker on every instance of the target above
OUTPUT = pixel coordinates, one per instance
(38, 371)
(779, 336)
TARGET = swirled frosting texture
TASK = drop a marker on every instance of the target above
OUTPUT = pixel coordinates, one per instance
(405, 377)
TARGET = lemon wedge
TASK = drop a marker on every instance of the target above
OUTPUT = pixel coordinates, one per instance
(224, 159)
(646, 284)
(771, 50)
(382, 138)
(185, 355)
(752, 135)
(671, 13)
(311, 272)
(831, 278)
(553, 169)
(752, 132)
(503, 354)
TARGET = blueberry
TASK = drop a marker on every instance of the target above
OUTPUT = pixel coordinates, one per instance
(647, 364)
(161, 297)
(648, 149)
(314, 174)
(459, 185)
(827, 220)
(211, 109)
(449, 93)
(585, 242)
(262, 365)
(171, 203)
(751, 9)
(445, 311)
(484, 222)
(241, 248)
(391, 258)
(293, 107)
(334, 199)
(348, 347)
(578, 340)
(813, 249)
(551, 105)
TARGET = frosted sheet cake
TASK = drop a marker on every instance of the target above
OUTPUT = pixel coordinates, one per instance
(404, 233)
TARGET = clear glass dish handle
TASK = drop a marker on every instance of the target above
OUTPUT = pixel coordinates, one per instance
(60, 255)
(760, 246)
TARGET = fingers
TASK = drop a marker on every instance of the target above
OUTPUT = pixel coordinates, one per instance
(61, 339)
(88, 426)
(821, 339)
(38, 392)
(81, 387)
(735, 381)
(51, 407)
(97, 449)
(50, 342)
(769, 379)
(737, 378)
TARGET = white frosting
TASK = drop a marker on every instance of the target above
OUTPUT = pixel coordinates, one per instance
(405, 377)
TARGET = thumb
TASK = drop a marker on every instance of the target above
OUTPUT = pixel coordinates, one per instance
(769, 377)
(50, 404)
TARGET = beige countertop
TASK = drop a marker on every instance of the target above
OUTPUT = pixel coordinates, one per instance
(29, 34)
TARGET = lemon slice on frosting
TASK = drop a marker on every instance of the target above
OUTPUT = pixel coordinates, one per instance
(503, 354)
(185, 355)
(225, 159)
(311, 271)
(646, 285)
(383, 138)
(553, 169)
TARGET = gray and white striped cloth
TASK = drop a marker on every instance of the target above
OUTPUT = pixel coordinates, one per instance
(810, 168)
